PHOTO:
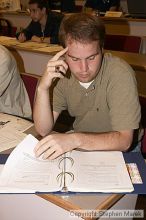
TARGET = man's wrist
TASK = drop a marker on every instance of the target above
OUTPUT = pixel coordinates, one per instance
(41, 89)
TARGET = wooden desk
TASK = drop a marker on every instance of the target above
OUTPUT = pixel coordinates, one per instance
(125, 26)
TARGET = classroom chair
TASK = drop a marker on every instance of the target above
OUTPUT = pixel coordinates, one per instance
(30, 82)
(64, 120)
(125, 43)
(5, 27)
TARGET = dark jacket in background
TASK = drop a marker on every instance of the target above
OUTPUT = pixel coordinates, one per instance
(102, 5)
(51, 29)
(68, 6)
(63, 5)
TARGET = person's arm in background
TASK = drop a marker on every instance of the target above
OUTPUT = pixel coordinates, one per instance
(44, 118)
(26, 34)
(21, 37)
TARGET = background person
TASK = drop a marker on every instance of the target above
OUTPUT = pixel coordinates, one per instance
(103, 5)
(13, 96)
(101, 93)
(44, 26)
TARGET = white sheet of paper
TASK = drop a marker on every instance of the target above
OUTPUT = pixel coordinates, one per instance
(14, 123)
(11, 130)
(10, 138)
(23, 172)
(99, 172)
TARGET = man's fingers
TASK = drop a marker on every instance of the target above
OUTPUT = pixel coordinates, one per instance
(49, 153)
(57, 63)
(59, 54)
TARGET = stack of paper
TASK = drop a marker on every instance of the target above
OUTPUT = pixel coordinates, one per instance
(74, 171)
(12, 130)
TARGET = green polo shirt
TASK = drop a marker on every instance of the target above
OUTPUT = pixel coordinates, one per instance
(109, 104)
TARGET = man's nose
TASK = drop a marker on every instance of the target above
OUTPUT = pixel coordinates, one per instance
(84, 65)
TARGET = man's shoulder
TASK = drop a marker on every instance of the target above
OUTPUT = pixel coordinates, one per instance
(6, 57)
(116, 67)
(115, 61)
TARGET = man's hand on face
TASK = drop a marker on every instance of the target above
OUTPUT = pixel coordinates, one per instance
(56, 68)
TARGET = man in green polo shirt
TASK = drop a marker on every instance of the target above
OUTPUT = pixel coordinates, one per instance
(101, 93)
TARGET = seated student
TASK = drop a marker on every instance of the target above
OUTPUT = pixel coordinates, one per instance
(103, 5)
(13, 96)
(101, 93)
(44, 26)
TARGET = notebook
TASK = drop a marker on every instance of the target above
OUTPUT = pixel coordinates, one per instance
(76, 171)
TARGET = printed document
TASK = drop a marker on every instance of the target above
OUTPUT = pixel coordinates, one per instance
(76, 171)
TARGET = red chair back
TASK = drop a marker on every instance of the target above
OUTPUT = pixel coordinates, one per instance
(30, 82)
(122, 43)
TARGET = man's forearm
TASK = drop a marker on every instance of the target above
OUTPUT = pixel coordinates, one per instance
(42, 114)
(103, 141)
(44, 118)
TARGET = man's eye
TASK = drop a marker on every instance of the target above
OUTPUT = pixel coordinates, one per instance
(74, 59)
(92, 57)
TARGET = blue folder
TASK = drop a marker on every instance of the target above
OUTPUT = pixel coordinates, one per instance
(131, 157)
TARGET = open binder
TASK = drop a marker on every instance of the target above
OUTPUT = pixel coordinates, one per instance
(75, 171)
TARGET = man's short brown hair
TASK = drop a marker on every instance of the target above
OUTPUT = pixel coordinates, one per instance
(81, 27)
